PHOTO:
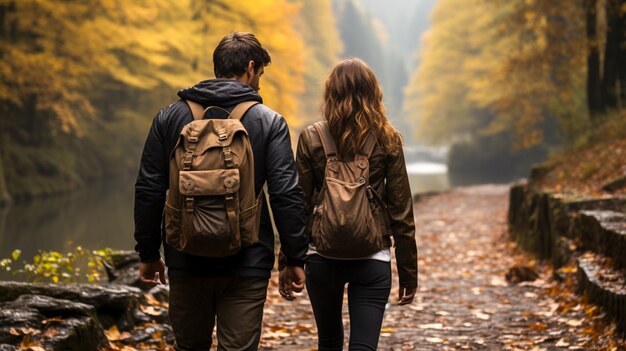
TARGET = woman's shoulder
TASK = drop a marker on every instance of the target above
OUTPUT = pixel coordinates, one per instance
(310, 136)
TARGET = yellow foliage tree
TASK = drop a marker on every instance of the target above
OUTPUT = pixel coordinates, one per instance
(318, 27)
(273, 23)
(56, 54)
(491, 67)
(100, 69)
(58, 57)
(542, 78)
(447, 94)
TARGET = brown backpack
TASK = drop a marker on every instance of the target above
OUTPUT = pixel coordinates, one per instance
(211, 208)
(350, 219)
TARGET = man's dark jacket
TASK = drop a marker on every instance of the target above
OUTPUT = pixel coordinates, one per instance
(273, 163)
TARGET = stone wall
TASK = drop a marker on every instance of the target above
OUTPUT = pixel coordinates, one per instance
(589, 230)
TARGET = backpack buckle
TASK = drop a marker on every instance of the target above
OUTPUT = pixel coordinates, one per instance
(222, 135)
(370, 194)
(228, 157)
(189, 204)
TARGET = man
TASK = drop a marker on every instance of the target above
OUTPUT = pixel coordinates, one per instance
(231, 289)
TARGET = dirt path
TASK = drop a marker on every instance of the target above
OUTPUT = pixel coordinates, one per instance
(464, 301)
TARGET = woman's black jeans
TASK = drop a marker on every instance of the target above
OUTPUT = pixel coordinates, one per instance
(369, 284)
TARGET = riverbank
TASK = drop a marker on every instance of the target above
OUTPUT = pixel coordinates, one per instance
(107, 149)
(79, 317)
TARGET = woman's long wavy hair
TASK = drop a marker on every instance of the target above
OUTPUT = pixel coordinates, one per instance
(353, 107)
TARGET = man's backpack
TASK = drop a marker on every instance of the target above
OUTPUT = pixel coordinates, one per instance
(350, 219)
(211, 208)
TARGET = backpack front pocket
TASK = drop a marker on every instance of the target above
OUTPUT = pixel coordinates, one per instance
(210, 224)
(209, 221)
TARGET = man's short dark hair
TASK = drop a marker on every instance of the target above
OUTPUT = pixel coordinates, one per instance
(232, 54)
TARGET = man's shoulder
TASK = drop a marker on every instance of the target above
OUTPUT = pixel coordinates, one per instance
(176, 108)
(262, 111)
(262, 116)
(173, 116)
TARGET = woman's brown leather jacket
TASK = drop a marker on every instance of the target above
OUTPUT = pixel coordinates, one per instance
(388, 177)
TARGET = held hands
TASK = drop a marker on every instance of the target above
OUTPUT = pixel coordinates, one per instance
(406, 295)
(290, 280)
(152, 273)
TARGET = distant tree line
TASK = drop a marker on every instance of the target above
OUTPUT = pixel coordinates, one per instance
(539, 70)
(500, 78)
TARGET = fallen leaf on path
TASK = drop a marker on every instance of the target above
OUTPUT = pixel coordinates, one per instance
(53, 320)
(497, 281)
(51, 333)
(575, 322)
(562, 343)
(538, 326)
(431, 326)
(114, 334)
(27, 343)
(481, 315)
(150, 310)
(435, 340)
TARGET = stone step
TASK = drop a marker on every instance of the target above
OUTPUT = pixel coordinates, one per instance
(545, 224)
(604, 285)
(603, 232)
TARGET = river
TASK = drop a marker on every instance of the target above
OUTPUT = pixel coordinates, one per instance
(101, 215)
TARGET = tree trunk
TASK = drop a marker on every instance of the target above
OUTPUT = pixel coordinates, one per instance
(594, 82)
(5, 198)
(621, 54)
(613, 36)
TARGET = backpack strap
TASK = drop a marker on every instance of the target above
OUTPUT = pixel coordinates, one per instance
(241, 109)
(196, 109)
(328, 144)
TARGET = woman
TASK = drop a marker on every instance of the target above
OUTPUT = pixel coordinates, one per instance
(353, 114)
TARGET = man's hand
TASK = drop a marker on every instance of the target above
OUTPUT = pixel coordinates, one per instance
(152, 273)
(290, 280)
(406, 296)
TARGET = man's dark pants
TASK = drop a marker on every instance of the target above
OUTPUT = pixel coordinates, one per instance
(236, 302)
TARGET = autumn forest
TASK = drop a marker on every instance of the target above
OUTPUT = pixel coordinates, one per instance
(81, 80)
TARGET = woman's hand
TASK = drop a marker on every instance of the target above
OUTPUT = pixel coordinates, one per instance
(290, 280)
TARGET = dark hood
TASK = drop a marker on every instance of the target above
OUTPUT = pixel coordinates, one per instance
(220, 92)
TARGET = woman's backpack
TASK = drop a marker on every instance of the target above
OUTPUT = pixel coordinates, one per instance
(350, 219)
